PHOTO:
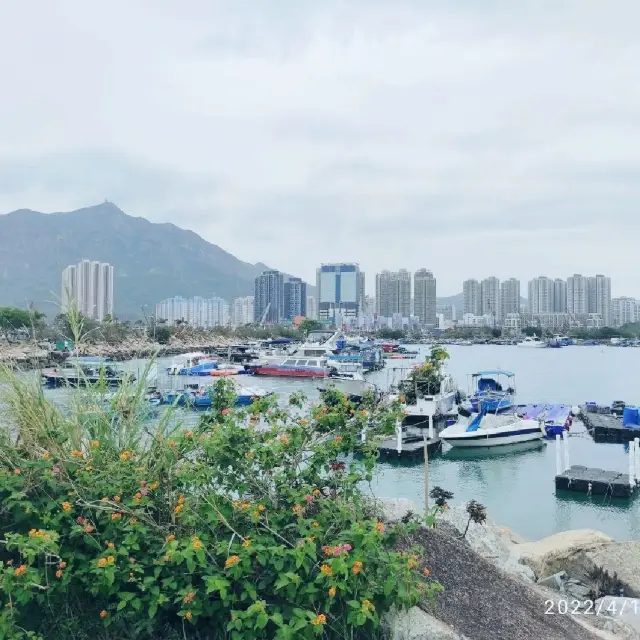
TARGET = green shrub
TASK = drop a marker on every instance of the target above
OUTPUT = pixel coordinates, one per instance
(250, 525)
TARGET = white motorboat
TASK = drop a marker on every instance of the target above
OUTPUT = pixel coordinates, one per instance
(347, 377)
(491, 430)
(532, 342)
(186, 361)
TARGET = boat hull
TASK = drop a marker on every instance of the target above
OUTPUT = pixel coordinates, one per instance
(353, 388)
(81, 381)
(532, 345)
(477, 439)
(281, 372)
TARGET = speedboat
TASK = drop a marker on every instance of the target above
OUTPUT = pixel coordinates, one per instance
(491, 430)
(195, 361)
(347, 377)
(532, 342)
(489, 393)
(294, 368)
(84, 371)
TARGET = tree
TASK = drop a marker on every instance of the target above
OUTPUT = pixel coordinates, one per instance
(162, 334)
(496, 333)
(391, 334)
(532, 331)
(308, 325)
(477, 512)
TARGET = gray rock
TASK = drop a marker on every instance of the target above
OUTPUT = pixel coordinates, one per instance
(622, 558)
(626, 610)
(579, 591)
(556, 581)
(394, 509)
(416, 624)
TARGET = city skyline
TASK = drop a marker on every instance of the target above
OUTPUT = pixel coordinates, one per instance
(88, 286)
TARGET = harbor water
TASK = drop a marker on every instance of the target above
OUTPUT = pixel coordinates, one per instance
(516, 485)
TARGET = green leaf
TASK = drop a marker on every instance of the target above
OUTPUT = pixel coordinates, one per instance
(354, 604)
(191, 565)
(153, 608)
(261, 621)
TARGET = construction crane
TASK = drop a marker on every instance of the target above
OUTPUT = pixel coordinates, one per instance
(264, 315)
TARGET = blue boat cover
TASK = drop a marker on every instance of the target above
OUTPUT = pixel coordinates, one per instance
(474, 425)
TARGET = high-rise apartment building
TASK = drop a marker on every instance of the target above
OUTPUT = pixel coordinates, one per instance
(204, 313)
(340, 290)
(510, 297)
(312, 312)
(624, 311)
(269, 297)
(88, 287)
(295, 298)
(490, 296)
(541, 295)
(242, 311)
(600, 297)
(559, 296)
(393, 293)
(472, 298)
(424, 297)
(577, 294)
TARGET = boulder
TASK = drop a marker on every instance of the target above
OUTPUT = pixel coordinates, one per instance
(555, 581)
(491, 541)
(394, 509)
(622, 558)
(416, 624)
(626, 610)
(560, 552)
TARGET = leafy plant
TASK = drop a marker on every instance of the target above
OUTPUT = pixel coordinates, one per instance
(425, 379)
(477, 513)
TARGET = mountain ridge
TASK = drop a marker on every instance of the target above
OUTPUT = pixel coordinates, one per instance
(152, 261)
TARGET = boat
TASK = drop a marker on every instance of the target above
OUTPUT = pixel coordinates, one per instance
(294, 368)
(488, 390)
(83, 371)
(556, 418)
(491, 430)
(198, 397)
(366, 352)
(532, 342)
(182, 364)
(347, 377)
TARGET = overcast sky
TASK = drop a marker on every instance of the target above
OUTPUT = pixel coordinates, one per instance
(473, 138)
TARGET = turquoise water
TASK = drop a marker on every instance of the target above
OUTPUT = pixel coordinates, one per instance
(517, 486)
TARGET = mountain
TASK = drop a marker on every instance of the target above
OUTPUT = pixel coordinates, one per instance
(152, 261)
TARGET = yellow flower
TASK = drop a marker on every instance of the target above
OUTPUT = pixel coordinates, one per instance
(188, 615)
(180, 499)
(66, 506)
(326, 569)
(379, 527)
(46, 455)
(250, 454)
(116, 516)
(357, 567)
(195, 542)
(411, 563)
(231, 560)
(102, 562)
(245, 505)
(95, 444)
(170, 538)
(20, 570)
(179, 508)
(316, 492)
(77, 454)
(260, 508)
(153, 486)
(110, 559)
(318, 620)
(110, 545)
(315, 524)
(246, 543)
(297, 509)
(367, 605)
(125, 455)
(103, 614)
(332, 592)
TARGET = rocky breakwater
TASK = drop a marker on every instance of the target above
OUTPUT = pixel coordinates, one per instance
(491, 583)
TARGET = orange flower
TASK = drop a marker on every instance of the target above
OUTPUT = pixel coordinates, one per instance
(20, 570)
(188, 434)
(179, 508)
(357, 567)
(102, 562)
(153, 486)
(284, 438)
(17, 471)
(231, 560)
(110, 560)
(260, 508)
(63, 565)
(225, 412)
(46, 455)
(318, 620)
(367, 605)
(103, 614)
(125, 455)
(379, 527)
(59, 573)
(88, 529)
(77, 454)
(426, 572)
(332, 592)
(188, 599)
(316, 492)
(170, 538)
(246, 543)
(250, 454)
(326, 569)
(188, 615)
(315, 524)
(195, 542)
(110, 545)
(364, 412)
(166, 558)
(411, 563)
(134, 521)
(116, 498)
(116, 516)
(95, 444)
(303, 421)
(180, 499)
(338, 438)
(297, 509)
(66, 506)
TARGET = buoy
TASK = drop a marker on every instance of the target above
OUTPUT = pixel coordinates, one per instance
(575, 411)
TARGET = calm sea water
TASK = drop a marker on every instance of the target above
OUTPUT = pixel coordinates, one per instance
(517, 486)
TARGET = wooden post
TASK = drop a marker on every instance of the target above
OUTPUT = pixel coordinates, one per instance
(426, 476)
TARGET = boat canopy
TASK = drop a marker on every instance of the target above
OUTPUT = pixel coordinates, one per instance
(494, 372)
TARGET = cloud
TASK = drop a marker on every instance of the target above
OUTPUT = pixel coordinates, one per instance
(473, 139)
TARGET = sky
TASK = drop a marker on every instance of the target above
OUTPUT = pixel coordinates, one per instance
(471, 138)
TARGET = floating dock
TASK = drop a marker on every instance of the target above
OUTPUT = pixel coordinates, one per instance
(412, 447)
(595, 482)
(608, 428)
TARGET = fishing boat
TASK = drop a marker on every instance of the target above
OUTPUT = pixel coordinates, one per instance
(294, 368)
(84, 371)
(347, 377)
(493, 389)
(491, 430)
(532, 342)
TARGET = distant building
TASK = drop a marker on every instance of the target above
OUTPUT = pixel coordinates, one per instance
(312, 312)
(577, 294)
(88, 287)
(472, 299)
(295, 298)
(624, 311)
(393, 293)
(447, 311)
(559, 296)
(204, 313)
(509, 297)
(490, 296)
(340, 291)
(269, 297)
(541, 295)
(242, 311)
(424, 297)
(600, 297)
